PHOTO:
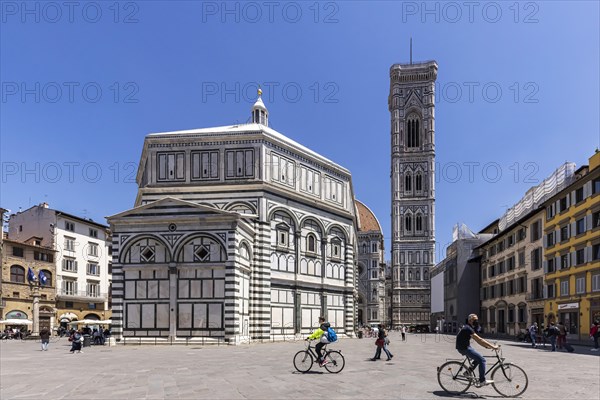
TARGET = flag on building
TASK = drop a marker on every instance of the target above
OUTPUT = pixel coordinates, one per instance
(43, 278)
(31, 275)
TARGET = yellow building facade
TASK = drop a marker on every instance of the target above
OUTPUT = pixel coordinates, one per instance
(572, 253)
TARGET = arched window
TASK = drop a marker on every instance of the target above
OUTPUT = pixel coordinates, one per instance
(374, 247)
(401, 275)
(425, 275)
(336, 246)
(364, 248)
(408, 182)
(410, 275)
(419, 182)
(413, 131)
(418, 275)
(17, 274)
(419, 223)
(408, 223)
(283, 235)
(311, 243)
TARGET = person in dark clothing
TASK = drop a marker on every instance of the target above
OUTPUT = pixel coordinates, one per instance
(463, 346)
(45, 338)
(76, 339)
(381, 344)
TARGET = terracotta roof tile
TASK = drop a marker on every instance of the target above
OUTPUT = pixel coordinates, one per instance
(366, 219)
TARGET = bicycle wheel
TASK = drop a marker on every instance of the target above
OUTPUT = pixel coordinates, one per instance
(454, 377)
(510, 380)
(335, 362)
(303, 361)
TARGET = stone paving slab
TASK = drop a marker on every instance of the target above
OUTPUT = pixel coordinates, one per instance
(265, 371)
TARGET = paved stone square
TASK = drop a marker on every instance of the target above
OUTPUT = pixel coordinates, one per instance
(265, 371)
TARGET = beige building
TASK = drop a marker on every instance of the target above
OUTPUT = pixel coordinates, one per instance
(17, 293)
(509, 260)
(82, 262)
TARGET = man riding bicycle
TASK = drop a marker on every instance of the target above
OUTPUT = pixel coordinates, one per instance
(463, 346)
(321, 334)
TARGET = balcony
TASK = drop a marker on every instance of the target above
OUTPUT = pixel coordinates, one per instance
(534, 297)
(81, 295)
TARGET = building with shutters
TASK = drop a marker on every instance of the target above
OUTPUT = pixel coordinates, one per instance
(572, 252)
(82, 259)
(18, 294)
(238, 233)
(511, 272)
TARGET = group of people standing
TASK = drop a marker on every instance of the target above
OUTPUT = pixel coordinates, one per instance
(556, 333)
(75, 337)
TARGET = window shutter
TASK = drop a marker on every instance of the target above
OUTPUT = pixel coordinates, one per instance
(588, 254)
(75, 264)
(571, 198)
(588, 222)
(589, 188)
(545, 266)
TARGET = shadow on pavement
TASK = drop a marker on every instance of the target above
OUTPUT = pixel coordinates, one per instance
(308, 373)
(467, 395)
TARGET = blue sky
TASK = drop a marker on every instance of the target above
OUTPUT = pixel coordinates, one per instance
(517, 93)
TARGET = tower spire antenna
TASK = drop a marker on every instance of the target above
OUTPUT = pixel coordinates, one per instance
(411, 50)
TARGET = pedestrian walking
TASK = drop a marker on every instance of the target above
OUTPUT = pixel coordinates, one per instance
(595, 334)
(533, 333)
(552, 333)
(381, 344)
(45, 338)
(403, 333)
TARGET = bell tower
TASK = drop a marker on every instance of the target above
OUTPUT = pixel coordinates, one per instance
(411, 103)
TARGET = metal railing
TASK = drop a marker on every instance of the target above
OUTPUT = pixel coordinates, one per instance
(82, 293)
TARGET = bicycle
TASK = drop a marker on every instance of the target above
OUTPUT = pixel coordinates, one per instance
(509, 380)
(304, 359)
